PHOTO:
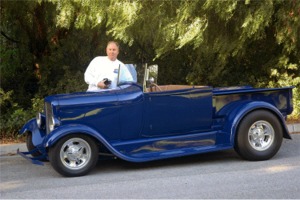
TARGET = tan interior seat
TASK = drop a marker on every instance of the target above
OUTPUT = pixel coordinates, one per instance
(171, 87)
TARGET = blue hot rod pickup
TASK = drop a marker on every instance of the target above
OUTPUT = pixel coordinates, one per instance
(140, 124)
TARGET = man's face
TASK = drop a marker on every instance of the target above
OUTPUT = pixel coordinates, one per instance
(112, 51)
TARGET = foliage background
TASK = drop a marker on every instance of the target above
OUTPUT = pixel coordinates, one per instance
(47, 45)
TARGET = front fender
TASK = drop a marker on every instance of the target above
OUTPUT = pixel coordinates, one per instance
(65, 130)
(29, 126)
(37, 134)
(240, 111)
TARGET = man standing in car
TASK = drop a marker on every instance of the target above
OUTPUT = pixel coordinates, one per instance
(102, 72)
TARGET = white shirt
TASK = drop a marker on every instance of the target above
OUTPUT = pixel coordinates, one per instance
(102, 67)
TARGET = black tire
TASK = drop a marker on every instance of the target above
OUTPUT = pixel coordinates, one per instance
(259, 136)
(74, 155)
(30, 146)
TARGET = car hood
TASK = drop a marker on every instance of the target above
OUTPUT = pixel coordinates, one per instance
(81, 98)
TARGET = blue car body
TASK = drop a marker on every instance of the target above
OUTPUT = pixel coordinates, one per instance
(139, 126)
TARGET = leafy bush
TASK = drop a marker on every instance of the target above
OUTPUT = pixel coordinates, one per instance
(287, 80)
(13, 117)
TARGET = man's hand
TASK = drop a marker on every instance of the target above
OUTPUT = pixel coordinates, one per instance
(102, 85)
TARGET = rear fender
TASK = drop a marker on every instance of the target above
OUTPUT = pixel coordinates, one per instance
(239, 112)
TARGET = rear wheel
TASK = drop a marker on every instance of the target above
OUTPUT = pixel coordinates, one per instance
(74, 155)
(259, 136)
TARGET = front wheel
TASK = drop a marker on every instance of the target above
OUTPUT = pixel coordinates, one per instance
(74, 155)
(259, 136)
(31, 147)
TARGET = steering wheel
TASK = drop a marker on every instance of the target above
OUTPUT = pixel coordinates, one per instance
(156, 86)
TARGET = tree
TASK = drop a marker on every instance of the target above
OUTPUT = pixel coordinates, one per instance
(47, 45)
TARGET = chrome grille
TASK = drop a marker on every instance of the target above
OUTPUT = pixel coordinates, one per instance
(49, 114)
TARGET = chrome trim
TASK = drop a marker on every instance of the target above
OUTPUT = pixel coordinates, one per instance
(39, 120)
(49, 116)
(261, 135)
(75, 154)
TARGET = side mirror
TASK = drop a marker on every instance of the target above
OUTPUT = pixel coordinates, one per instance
(153, 73)
(151, 80)
(150, 75)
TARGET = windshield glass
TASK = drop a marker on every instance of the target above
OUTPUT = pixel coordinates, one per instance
(132, 70)
(138, 73)
(127, 73)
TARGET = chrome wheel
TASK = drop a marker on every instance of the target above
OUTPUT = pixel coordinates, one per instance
(261, 135)
(75, 153)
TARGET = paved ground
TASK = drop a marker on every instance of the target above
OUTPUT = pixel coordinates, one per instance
(216, 175)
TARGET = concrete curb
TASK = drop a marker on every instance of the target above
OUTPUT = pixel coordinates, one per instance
(294, 128)
(11, 149)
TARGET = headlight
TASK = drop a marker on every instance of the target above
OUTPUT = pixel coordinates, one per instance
(51, 124)
(39, 120)
(51, 121)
